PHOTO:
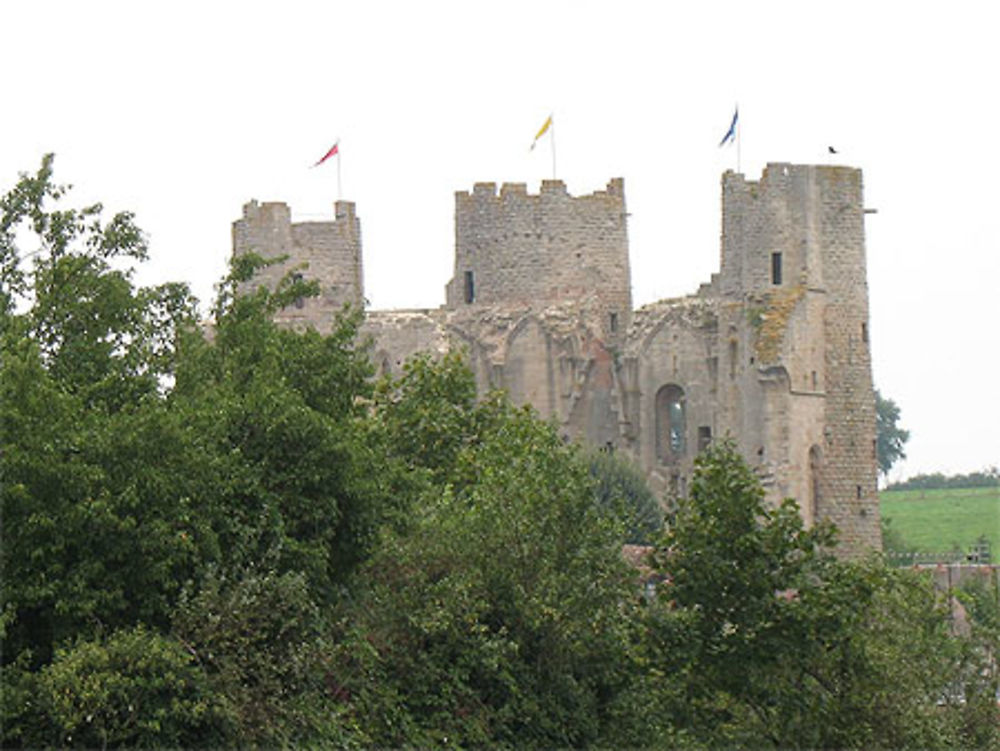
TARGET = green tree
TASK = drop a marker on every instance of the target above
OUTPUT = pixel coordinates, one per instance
(139, 455)
(500, 615)
(94, 533)
(779, 644)
(727, 559)
(620, 489)
(890, 438)
(980, 597)
(282, 417)
(70, 294)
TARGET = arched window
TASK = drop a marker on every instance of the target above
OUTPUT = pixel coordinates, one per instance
(671, 428)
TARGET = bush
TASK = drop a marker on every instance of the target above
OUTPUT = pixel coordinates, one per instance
(135, 688)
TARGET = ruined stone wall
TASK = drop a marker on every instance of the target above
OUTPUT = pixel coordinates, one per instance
(772, 352)
(329, 252)
(673, 352)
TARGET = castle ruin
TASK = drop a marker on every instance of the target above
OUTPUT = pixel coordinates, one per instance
(773, 350)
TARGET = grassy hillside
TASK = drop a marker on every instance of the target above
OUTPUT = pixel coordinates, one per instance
(943, 520)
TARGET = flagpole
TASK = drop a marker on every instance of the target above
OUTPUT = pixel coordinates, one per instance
(739, 131)
(339, 193)
(553, 148)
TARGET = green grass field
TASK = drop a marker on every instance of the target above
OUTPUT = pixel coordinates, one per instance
(938, 521)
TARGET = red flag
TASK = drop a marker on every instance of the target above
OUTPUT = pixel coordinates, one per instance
(335, 149)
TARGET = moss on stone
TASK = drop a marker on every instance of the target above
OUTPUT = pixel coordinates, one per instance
(769, 318)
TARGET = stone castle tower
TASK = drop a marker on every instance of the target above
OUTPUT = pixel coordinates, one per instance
(772, 351)
(549, 248)
(327, 251)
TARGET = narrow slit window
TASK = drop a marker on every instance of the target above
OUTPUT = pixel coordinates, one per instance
(613, 322)
(816, 482)
(776, 268)
(470, 288)
(300, 301)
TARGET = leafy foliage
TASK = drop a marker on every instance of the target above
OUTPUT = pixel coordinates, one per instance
(134, 689)
(621, 490)
(499, 614)
(259, 638)
(139, 455)
(782, 645)
(86, 442)
(281, 416)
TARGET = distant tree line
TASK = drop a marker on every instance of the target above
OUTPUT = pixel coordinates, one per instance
(988, 478)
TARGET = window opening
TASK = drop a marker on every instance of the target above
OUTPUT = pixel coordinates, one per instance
(776, 268)
(300, 302)
(670, 422)
(470, 288)
(815, 482)
(704, 437)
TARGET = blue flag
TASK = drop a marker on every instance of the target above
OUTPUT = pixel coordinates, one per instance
(731, 133)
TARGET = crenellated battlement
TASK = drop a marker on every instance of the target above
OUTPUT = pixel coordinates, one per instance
(541, 249)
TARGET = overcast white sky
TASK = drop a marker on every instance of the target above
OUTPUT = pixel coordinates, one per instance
(183, 111)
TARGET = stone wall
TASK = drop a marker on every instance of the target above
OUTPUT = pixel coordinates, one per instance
(516, 248)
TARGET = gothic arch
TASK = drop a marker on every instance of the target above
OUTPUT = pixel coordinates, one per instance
(527, 371)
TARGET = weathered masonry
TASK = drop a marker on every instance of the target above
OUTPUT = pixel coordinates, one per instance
(773, 350)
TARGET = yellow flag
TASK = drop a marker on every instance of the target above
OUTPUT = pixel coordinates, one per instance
(541, 132)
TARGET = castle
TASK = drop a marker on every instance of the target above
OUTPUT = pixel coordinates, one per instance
(773, 350)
